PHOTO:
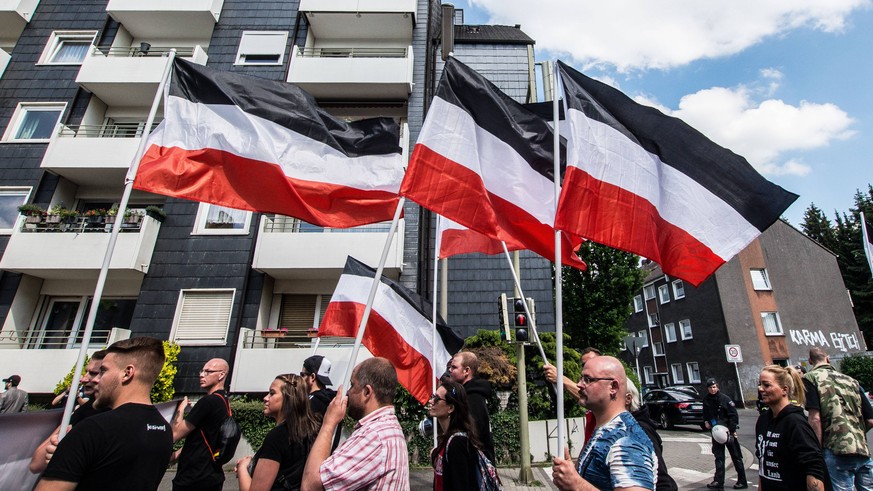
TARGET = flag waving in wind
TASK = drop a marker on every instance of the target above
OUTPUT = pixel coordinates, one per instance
(485, 162)
(647, 183)
(260, 145)
(399, 327)
(455, 238)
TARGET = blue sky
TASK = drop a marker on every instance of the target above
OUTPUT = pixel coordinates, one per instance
(788, 85)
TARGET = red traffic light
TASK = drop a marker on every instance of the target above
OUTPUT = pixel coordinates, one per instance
(520, 320)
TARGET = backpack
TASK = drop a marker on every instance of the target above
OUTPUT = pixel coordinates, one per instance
(229, 434)
(486, 474)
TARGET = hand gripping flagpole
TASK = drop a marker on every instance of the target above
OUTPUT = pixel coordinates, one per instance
(377, 279)
(110, 248)
(559, 304)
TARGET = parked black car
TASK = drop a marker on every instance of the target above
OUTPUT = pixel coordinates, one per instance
(669, 407)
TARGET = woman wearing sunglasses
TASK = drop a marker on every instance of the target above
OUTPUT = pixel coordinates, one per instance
(278, 464)
(455, 458)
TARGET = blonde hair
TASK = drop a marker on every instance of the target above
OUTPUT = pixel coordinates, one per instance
(635, 396)
(791, 379)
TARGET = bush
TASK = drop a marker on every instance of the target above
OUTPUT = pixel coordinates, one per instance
(163, 389)
(860, 368)
(68, 379)
(250, 416)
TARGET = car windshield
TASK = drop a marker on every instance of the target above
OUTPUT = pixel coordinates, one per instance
(681, 395)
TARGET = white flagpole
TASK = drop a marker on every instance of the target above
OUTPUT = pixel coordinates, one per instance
(559, 304)
(377, 279)
(110, 248)
(437, 244)
(533, 323)
(868, 246)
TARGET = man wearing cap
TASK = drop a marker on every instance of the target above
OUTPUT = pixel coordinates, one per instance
(15, 399)
(316, 372)
(719, 409)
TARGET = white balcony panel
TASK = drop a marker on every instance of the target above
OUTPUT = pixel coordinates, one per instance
(257, 363)
(357, 19)
(14, 15)
(126, 81)
(157, 19)
(4, 61)
(68, 255)
(353, 78)
(317, 255)
(99, 162)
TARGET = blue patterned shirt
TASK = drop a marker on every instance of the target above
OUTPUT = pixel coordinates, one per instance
(619, 455)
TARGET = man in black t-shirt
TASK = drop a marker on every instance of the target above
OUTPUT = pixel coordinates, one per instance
(127, 447)
(197, 469)
(316, 372)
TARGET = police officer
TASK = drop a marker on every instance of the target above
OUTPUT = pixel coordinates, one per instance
(719, 409)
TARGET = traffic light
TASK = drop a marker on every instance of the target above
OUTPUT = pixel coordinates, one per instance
(503, 317)
(520, 320)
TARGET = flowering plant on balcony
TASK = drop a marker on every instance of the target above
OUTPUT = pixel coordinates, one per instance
(97, 212)
(31, 210)
(272, 332)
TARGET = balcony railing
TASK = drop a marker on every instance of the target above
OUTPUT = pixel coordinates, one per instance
(136, 51)
(289, 225)
(80, 224)
(113, 130)
(354, 52)
(53, 338)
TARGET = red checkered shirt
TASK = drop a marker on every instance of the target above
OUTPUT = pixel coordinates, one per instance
(374, 456)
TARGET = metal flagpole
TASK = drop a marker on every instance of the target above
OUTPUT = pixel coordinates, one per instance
(559, 304)
(377, 279)
(533, 324)
(437, 244)
(110, 248)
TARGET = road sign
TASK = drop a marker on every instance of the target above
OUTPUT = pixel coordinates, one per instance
(734, 353)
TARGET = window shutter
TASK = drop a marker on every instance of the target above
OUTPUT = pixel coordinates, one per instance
(298, 314)
(204, 317)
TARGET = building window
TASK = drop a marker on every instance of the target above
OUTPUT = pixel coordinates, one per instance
(202, 317)
(650, 378)
(653, 319)
(34, 121)
(760, 280)
(62, 323)
(10, 199)
(670, 332)
(218, 220)
(638, 303)
(664, 293)
(642, 334)
(693, 372)
(649, 291)
(678, 289)
(685, 329)
(678, 377)
(300, 313)
(772, 324)
(658, 348)
(67, 47)
(262, 48)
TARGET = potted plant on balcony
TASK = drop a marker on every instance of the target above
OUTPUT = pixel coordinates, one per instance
(156, 212)
(95, 217)
(132, 217)
(272, 332)
(111, 213)
(55, 214)
(32, 213)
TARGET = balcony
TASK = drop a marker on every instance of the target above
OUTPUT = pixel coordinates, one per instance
(355, 19)
(353, 74)
(43, 357)
(14, 15)
(75, 250)
(94, 155)
(4, 61)
(129, 76)
(285, 246)
(258, 355)
(166, 19)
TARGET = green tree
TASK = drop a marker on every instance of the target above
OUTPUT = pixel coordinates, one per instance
(598, 301)
(818, 227)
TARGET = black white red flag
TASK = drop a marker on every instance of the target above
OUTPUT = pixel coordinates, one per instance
(399, 327)
(261, 145)
(484, 161)
(647, 183)
(867, 232)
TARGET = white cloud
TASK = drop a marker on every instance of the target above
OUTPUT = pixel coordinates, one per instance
(641, 34)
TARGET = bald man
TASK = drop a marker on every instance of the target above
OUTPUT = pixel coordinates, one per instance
(197, 468)
(619, 455)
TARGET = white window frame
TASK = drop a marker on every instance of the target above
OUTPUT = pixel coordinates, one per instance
(643, 334)
(670, 332)
(200, 225)
(682, 325)
(650, 376)
(678, 289)
(760, 279)
(638, 303)
(676, 371)
(693, 372)
(20, 115)
(56, 43)
(261, 43)
(658, 348)
(24, 193)
(649, 292)
(778, 323)
(653, 319)
(216, 303)
(664, 294)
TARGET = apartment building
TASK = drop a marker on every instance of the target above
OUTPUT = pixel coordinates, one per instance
(780, 296)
